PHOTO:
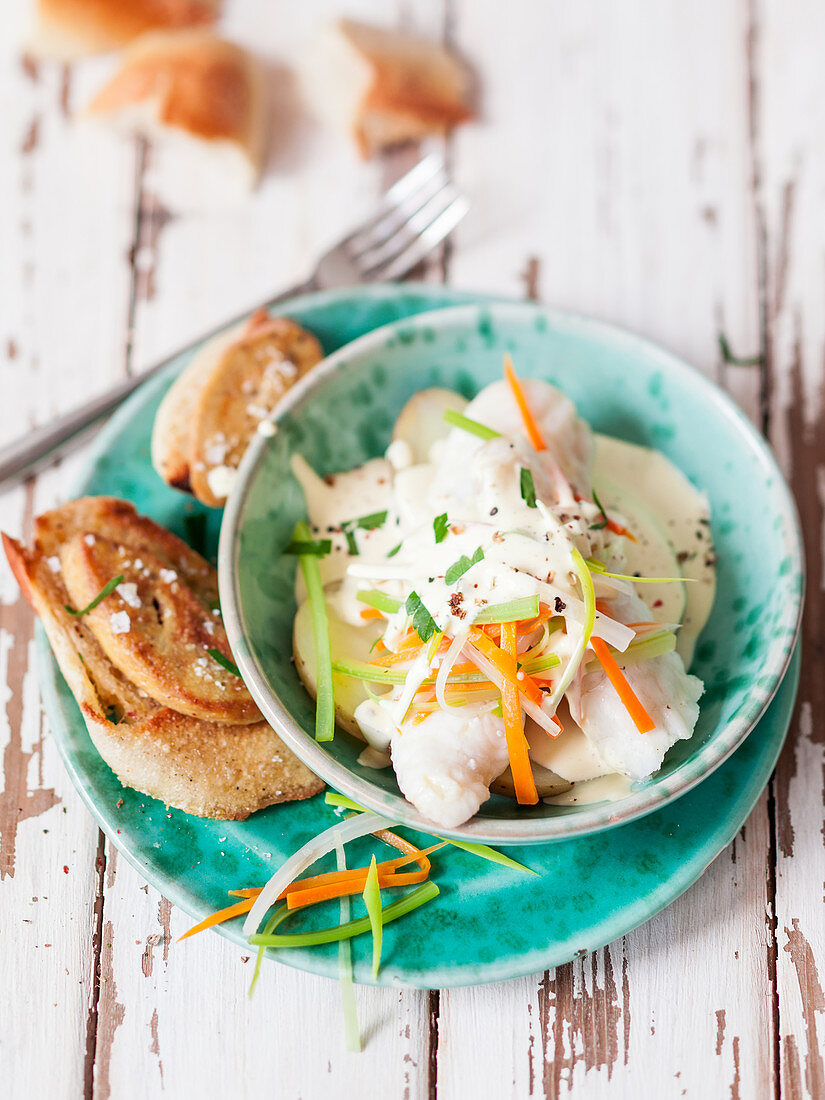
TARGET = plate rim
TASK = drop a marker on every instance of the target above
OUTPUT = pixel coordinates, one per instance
(196, 906)
(500, 831)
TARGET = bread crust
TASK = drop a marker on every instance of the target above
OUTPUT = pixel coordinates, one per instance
(194, 82)
(416, 87)
(208, 417)
(172, 428)
(69, 28)
(208, 768)
(219, 771)
(249, 379)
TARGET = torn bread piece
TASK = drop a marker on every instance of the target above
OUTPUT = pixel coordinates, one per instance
(203, 94)
(211, 769)
(208, 417)
(387, 86)
(66, 29)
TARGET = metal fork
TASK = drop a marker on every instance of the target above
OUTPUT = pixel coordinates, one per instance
(412, 218)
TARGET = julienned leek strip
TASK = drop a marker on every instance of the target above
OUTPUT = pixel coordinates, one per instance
(525, 786)
(633, 705)
(325, 698)
(456, 420)
(420, 896)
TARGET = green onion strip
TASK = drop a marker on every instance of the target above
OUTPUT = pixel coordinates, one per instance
(416, 898)
(325, 698)
(351, 1030)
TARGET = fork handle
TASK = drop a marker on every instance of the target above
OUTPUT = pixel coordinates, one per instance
(43, 445)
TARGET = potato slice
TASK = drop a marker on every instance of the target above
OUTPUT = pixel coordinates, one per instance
(547, 782)
(420, 423)
(347, 643)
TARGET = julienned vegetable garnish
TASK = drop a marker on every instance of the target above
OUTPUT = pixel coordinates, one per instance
(224, 662)
(324, 699)
(510, 609)
(300, 893)
(107, 590)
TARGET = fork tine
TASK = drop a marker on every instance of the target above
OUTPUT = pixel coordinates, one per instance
(382, 228)
(408, 231)
(418, 175)
(426, 241)
(400, 195)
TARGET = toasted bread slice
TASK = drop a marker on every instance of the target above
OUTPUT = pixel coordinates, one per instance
(173, 422)
(206, 93)
(207, 418)
(389, 87)
(159, 623)
(66, 29)
(251, 377)
(218, 771)
(205, 768)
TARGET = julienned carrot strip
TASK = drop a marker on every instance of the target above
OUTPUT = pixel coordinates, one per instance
(506, 665)
(617, 529)
(348, 884)
(371, 613)
(218, 918)
(523, 782)
(641, 719)
(530, 424)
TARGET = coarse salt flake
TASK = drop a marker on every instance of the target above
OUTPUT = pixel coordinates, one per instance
(120, 622)
(129, 593)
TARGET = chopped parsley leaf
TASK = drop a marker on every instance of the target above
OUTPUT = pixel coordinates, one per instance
(365, 523)
(460, 567)
(422, 620)
(528, 489)
(441, 526)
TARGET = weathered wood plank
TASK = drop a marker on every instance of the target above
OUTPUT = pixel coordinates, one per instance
(632, 200)
(65, 236)
(792, 99)
(193, 271)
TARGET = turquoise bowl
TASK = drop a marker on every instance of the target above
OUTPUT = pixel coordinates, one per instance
(342, 414)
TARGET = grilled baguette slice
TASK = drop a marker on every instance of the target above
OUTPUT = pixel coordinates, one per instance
(208, 417)
(219, 770)
(158, 625)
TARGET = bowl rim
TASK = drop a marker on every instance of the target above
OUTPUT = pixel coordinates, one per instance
(514, 830)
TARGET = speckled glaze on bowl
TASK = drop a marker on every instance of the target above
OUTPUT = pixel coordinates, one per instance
(342, 414)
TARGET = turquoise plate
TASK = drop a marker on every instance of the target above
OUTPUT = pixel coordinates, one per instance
(488, 924)
(342, 414)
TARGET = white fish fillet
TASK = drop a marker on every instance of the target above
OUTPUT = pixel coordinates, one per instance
(445, 764)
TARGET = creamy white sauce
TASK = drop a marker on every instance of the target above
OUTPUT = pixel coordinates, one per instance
(520, 551)
(606, 788)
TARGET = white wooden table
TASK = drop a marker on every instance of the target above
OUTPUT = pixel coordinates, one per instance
(656, 163)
